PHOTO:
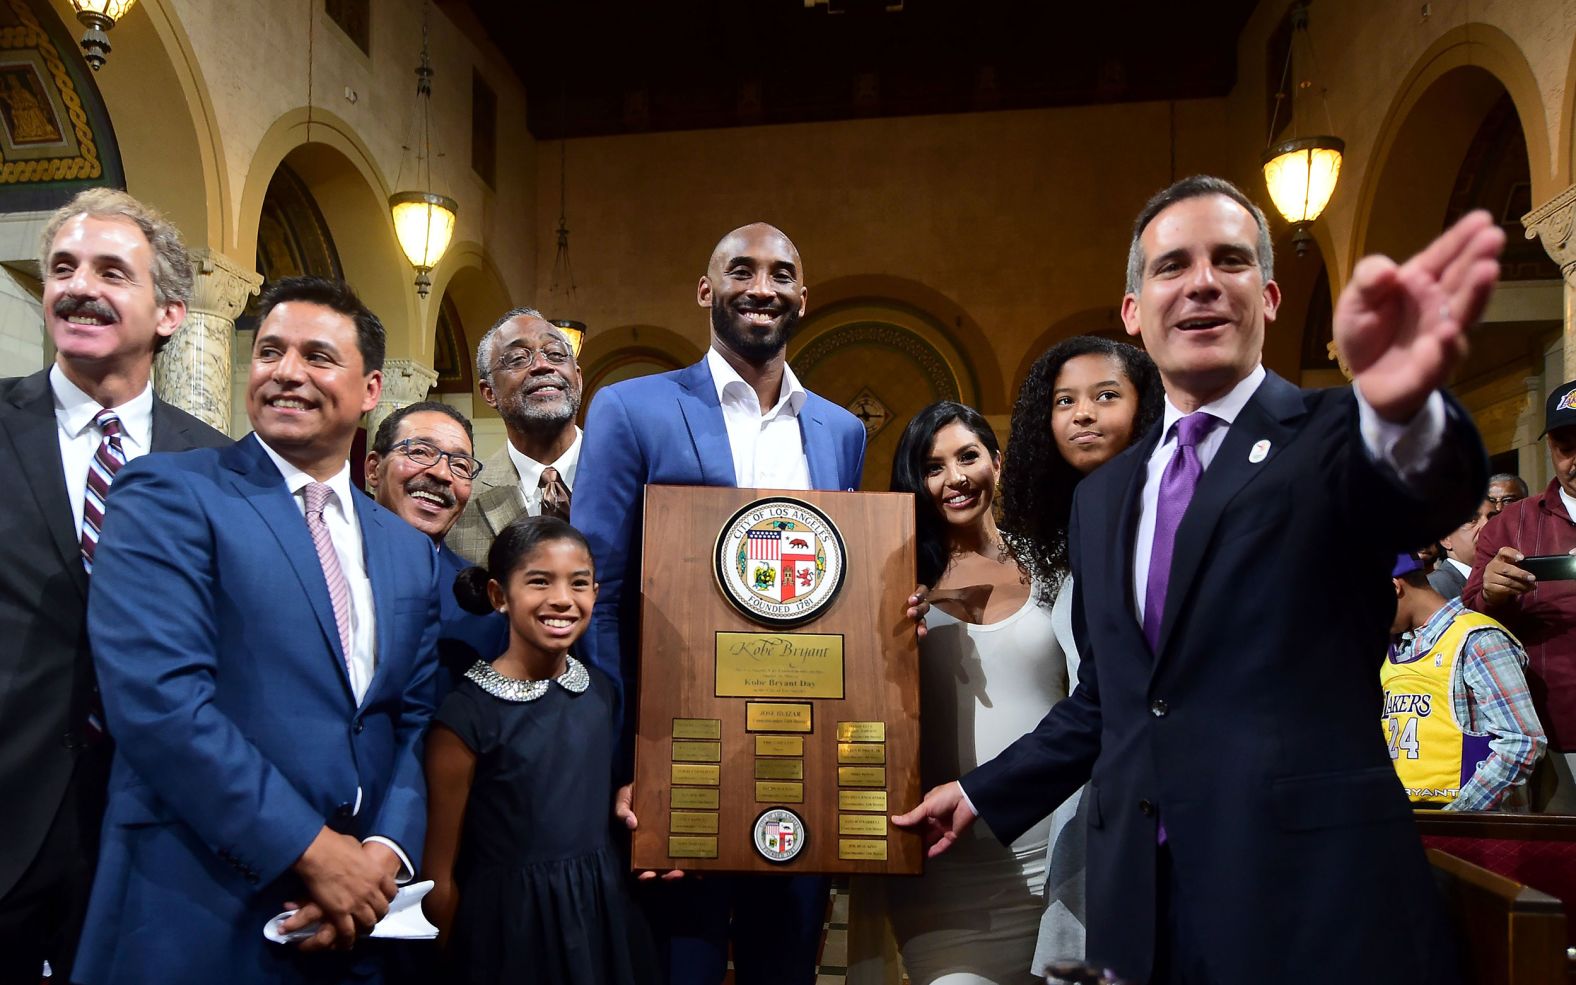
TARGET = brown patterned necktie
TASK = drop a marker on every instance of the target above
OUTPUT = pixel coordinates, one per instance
(555, 495)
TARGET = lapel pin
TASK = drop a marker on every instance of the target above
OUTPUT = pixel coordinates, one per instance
(1261, 451)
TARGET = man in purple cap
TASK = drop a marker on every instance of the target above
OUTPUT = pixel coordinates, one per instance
(1541, 614)
(1458, 717)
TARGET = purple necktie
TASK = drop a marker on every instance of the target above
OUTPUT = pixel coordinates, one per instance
(1177, 484)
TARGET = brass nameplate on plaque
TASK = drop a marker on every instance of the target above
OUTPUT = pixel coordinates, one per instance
(779, 745)
(867, 849)
(861, 731)
(776, 716)
(696, 774)
(704, 823)
(779, 665)
(697, 728)
(858, 800)
(859, 776)
(703, 798)
(853, 824)
(778, 792)
(779, 769)
(711, 752)
(693, 846)
(848, 752)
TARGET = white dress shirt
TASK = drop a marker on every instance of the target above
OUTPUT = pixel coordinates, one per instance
(80, 437)
(530, 471)
(1466, 571)
(1404, 448)
(767, 446)
(345, 531)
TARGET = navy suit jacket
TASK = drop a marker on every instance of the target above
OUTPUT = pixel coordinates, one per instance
(464, 637)
(46, 672)
(669, 429)
(237, 734)
(1253, 730)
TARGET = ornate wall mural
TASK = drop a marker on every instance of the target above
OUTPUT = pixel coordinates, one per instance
(450, 354)
(292, 238)
(55, 135)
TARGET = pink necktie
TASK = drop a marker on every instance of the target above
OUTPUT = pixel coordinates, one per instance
(317, 499)
(107, 460)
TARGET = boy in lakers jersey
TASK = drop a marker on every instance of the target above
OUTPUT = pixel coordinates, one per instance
(1457, 714)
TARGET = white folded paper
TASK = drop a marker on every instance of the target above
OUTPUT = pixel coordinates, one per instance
(404, 921)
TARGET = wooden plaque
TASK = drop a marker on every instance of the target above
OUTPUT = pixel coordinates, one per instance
(806, 692)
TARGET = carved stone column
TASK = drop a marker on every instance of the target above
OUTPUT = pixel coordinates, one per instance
(405, 382)
(1551, 223)
(193, 370)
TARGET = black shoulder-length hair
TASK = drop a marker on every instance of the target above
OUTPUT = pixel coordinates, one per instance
(908, 475)
(1036, 481)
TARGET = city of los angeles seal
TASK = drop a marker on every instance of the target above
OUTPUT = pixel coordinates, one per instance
(779, 835)
(780, 561)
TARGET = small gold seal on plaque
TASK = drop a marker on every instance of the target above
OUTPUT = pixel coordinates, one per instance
(779, 835)
(861, 776)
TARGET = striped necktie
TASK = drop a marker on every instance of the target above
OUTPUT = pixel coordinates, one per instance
(317, 499)
(108, 459)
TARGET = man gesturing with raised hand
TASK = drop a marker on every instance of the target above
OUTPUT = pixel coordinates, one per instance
(1245, 822)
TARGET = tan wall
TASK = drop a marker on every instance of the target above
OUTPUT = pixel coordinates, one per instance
(1019, 219)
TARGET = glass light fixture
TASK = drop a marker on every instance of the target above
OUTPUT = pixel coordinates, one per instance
(1301, 172)
(574, 331)
(423, 219)
(98, 16)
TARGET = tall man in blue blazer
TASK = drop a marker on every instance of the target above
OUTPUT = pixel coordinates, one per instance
(116, 282)
(264, 640)
(1245, 822)
(739, 417)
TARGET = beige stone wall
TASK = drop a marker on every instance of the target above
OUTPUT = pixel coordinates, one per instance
(1019, 219)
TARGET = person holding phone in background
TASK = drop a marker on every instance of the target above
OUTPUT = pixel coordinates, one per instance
(1538, 609)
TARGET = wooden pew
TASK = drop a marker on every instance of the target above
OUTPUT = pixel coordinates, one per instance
(1510, 934)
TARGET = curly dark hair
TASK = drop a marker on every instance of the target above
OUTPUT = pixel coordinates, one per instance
(908, 475)
(1036, 481)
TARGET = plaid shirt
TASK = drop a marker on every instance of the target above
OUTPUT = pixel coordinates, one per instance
(1490, 697)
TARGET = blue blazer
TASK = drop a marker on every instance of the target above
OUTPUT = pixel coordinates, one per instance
(237, 734)
(668, 429)
(1253, 729)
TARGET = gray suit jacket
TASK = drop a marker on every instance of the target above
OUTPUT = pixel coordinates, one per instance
(1447, 580)
(495, 500)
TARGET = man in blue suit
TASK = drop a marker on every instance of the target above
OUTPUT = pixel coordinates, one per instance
(264, 638)
(739, 417)
(421, 467)
(1232, 592)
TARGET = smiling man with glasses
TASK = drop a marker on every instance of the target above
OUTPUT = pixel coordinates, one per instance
(422, 468)
(529, 375)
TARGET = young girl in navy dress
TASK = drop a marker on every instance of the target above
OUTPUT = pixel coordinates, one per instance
(528, 886)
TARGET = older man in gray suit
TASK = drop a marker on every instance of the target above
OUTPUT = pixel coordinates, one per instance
(529, 375)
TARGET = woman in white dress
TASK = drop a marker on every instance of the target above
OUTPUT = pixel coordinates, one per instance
(998, 652)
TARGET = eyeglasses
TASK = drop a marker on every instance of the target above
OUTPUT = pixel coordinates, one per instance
(427, 455)
(522, 356)
(1503, 501)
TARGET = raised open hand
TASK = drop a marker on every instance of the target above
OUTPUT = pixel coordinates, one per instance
(1401, 329)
